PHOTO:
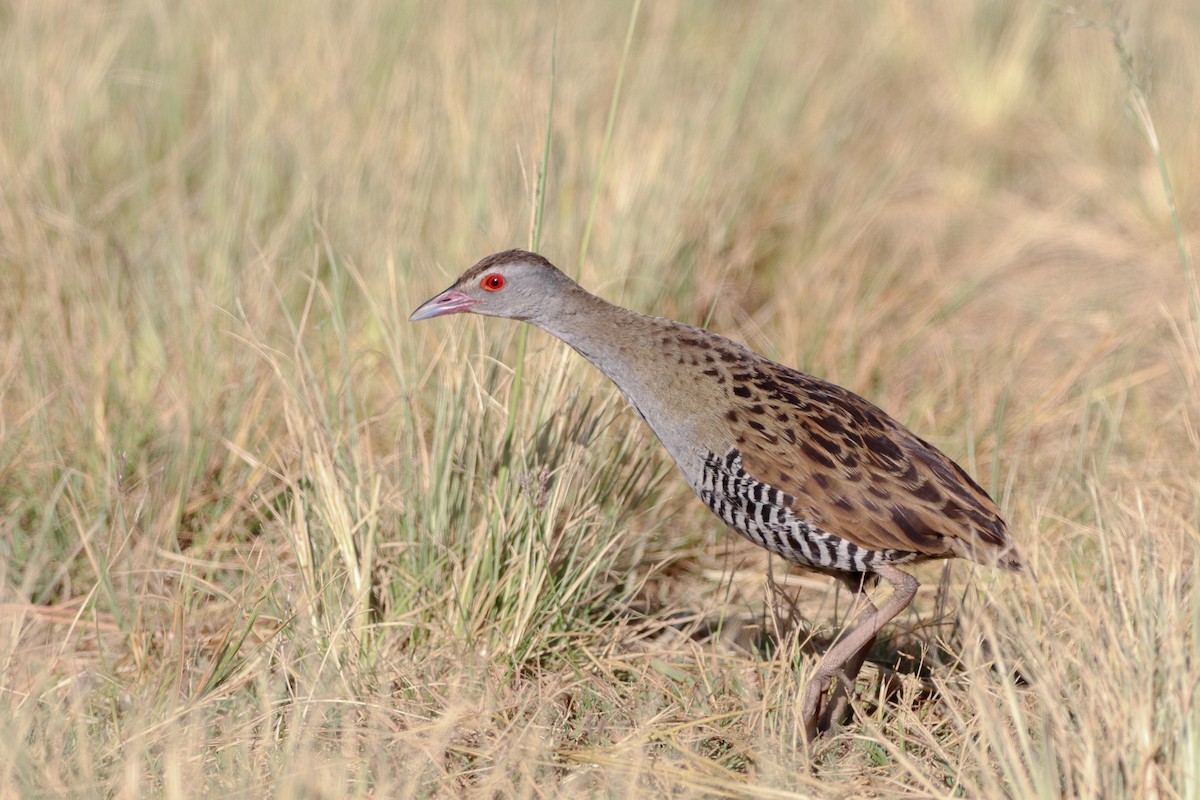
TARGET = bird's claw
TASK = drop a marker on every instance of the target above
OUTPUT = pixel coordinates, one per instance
(811, 707)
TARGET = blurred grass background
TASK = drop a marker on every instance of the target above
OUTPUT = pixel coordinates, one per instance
(260, 536)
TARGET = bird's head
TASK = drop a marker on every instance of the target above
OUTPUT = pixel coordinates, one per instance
(515, 284)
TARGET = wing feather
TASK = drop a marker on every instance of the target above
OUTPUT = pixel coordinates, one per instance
(860, 475)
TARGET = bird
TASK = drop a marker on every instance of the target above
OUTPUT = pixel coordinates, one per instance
(800, 466)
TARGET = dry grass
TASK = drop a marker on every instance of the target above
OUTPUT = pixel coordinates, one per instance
(260, 536)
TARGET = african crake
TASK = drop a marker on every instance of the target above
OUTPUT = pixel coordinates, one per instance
(804, 468)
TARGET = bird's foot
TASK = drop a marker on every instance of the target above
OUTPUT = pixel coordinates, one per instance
(818, 712)
(810, 706)
(835, 709)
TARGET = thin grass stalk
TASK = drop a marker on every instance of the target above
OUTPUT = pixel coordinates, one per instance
(608, 134)
(535, 242)
(1140, 105)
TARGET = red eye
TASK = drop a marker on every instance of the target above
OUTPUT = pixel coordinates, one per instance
(493, 282)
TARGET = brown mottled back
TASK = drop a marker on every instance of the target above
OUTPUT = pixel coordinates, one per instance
(857, 474)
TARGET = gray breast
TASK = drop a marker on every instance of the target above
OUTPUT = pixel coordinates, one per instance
(763, 515)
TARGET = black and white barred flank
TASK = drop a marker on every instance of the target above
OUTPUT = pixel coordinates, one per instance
(763, 515)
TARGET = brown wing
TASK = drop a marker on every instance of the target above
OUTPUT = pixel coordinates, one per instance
(856, 473)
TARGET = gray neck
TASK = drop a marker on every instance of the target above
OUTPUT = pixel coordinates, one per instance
(608, 336)
(642, 356)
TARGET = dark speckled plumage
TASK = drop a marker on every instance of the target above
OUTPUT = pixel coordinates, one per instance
(802, 467)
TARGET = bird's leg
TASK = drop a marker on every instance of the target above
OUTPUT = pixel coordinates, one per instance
(837, 657)
(836, 663)
(843, 688)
